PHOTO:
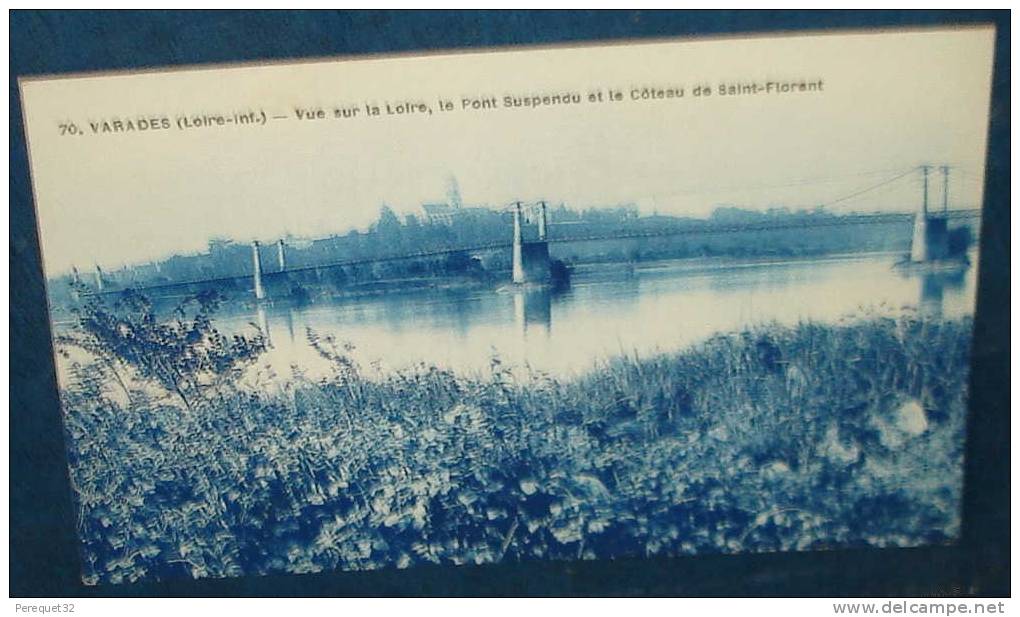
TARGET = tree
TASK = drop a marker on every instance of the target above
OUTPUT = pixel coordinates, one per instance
(184, 355)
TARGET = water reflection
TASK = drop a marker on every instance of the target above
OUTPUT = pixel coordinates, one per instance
(263, 322)
(533, 310)
(933, 291)
(609, 310)
(289, 318)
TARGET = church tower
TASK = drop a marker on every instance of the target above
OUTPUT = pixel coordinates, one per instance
(453, 192)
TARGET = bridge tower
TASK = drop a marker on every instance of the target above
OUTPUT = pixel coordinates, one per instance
(280, 256)
(930, 239)
(530, 258)
(541, 221)
(517, 274)
(256, 259)
(945, 190)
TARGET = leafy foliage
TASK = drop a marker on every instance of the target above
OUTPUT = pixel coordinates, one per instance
(772, 439)
(183, 355)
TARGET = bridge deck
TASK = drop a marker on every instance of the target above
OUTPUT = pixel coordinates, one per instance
(687, 230)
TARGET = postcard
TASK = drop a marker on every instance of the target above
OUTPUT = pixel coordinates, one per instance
(649, 298)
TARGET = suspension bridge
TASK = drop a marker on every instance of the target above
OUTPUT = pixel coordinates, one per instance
(530, 255)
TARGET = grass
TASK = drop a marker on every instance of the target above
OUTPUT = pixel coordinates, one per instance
(776, 439)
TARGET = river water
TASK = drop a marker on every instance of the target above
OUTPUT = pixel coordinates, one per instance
(608, 310)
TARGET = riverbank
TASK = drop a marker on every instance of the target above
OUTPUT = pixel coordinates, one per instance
(305, 287)
(781, 438)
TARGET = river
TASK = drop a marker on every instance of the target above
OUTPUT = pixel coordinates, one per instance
(608, 310)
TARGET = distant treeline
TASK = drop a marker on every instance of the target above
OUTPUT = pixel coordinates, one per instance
(457, 228)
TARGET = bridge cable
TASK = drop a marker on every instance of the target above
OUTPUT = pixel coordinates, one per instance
(868, 189)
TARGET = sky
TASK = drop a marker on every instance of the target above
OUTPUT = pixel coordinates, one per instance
(889, 102)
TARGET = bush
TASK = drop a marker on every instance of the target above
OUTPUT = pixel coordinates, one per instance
(183, 355)
(778, 438)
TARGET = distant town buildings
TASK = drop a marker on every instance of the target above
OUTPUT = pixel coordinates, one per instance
(446, 213)
(439, 214)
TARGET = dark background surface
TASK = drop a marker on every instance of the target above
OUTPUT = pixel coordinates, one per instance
(43, 541)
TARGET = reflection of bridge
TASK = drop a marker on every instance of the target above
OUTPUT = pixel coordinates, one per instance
(531, 256)
(535, 308)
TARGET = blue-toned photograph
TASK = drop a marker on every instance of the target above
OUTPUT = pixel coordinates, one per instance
(568, 303)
